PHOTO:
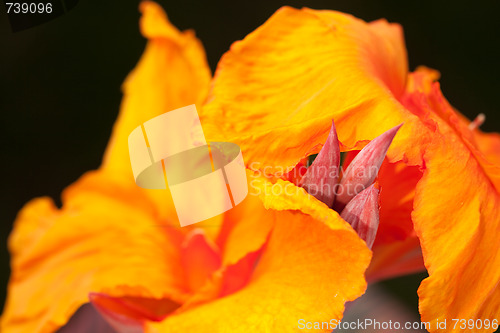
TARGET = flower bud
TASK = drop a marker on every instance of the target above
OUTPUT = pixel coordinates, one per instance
(364, 168)
(322, 176)
(362, 213)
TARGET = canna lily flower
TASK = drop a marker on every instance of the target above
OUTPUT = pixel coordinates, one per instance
(278, 91)
(113, 259)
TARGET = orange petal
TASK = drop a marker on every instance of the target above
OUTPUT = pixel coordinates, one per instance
(489, 145)
(396, 250)
(395, 259)
(305, 261)
(128, 314)
(425, 99)
(172, 73)
(245, 229)
(284, 195)
(200, 258)
(238, 275)
(279, 88)
(135, 307)
(457, 218)
(397, 191)
(456, 215)
(97, 242)
(225, 281)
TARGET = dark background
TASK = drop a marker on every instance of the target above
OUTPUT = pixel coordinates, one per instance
(60, 81)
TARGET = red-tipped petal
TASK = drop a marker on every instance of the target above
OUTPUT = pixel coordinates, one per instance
(128, 314)
(323, 174)
(362, 213)
(237, 276)
(364, 168)
(200, 258)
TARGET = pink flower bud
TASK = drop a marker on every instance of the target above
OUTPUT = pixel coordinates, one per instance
(364, 168)
(322, 176)
(362, 213)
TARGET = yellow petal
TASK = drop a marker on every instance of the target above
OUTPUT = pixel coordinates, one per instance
(278, 90)
(489, 145)
(456, 213)
(284, 195)
(172, 73)
(245, 229)
(307, 271)
(97, 242)
(457, 218)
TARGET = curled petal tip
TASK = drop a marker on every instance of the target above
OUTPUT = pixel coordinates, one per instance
(362, 213)
(199, 258)
(364, 167)
(322, 176)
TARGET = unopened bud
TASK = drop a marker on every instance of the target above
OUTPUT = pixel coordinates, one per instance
(362, 213)
(364, 168)
(322, 176)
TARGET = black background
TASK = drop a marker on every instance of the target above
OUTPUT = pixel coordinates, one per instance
(60, 81)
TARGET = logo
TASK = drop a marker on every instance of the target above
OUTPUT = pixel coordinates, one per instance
(205, 179)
